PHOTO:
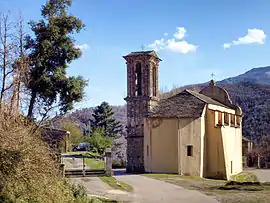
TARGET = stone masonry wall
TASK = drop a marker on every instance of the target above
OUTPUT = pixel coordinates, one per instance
(137, 107)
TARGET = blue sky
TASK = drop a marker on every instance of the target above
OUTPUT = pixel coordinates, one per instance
(189, 36)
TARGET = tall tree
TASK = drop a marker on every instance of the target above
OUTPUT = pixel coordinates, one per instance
(103, 117)
(51, 50)
(20, 66)
(7, 55)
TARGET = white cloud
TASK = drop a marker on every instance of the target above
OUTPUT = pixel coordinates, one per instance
(227, 45)
(82, 47)
(182, 47)
(254, 36)
(175, 44)
(180, 33)
(165, 34)
(158, 45)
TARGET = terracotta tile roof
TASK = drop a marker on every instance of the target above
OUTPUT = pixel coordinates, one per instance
(186, 104)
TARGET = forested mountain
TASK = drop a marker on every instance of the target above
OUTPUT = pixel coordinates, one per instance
(255, 75)
(250, 92)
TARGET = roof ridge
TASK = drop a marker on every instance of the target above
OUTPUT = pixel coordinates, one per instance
(192, 93)
(172, 96)
(195, 94)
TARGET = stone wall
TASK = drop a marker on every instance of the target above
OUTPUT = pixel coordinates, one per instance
(138, 106)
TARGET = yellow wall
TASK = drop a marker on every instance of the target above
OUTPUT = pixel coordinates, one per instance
(190, 134)
(224, 146)
(166, 141)
(217, 150)
(160, 137)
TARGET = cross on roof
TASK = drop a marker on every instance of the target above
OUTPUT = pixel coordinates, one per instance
(212, 75)
(142, 47)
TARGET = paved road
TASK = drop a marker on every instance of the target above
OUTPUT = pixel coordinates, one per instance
(148, 190)
(145, 190)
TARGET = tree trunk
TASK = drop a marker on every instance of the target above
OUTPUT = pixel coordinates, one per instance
(3, 77)
(31, 105)
(259, 161)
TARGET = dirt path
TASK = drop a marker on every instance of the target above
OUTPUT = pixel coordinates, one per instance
(148, 190)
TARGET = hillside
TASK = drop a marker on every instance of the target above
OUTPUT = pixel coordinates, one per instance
(256, 75)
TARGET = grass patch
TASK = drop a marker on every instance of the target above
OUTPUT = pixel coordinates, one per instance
(112, 182)
(244, 177)
(92, 154)
(159, 175)
(94, 163)
(103, 200)
(77, 152)
(202, 179)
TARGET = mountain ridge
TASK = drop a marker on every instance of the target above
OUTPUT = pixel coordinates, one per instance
(259, 75)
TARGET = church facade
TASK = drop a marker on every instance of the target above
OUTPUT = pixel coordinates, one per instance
(190, 133)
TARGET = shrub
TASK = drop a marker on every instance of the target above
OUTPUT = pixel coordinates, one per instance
(76, 135)
(119, 163)
(28, 169)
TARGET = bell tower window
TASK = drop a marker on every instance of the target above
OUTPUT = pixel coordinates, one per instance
(138, 80)
(154, 83)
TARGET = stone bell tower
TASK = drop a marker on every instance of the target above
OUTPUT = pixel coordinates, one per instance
(142, 95)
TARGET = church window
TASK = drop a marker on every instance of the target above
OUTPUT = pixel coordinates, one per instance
(226, 118)
(138, 80)
(189, 150)
(219, 118)
(232, 120)
(147, 150)
(238, 120)
(154, 79)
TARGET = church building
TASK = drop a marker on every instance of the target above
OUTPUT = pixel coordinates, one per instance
(189, 133)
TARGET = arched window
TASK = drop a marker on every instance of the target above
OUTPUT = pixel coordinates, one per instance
(138, 80)
(154, 83)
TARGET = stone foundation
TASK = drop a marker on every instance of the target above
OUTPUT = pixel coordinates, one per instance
(135, 155)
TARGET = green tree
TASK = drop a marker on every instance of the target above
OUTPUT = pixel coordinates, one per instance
(98, 141)
(51, 50)
(75, 136)
(103, 116)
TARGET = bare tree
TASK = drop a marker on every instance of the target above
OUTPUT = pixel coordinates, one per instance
(20, 67)
(7, 54)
